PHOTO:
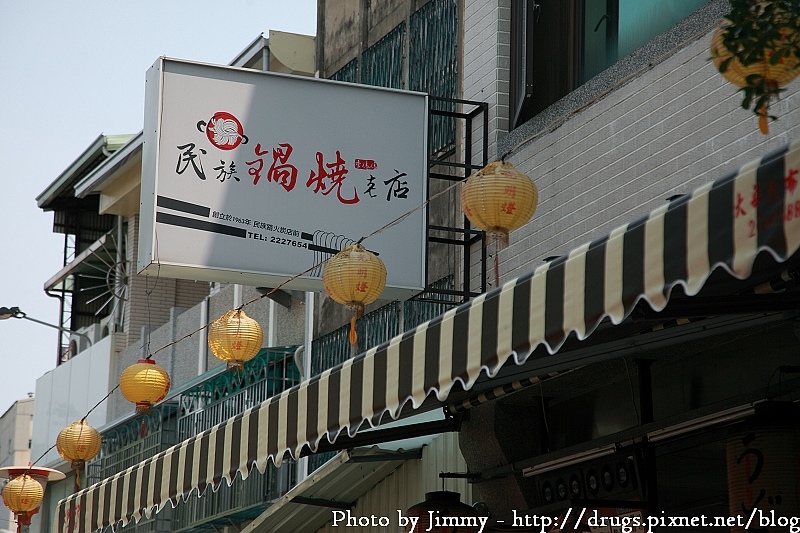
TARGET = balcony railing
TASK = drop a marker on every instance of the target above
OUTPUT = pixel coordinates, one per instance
(243, 500)
(378, 327)
(196, 408)
(215, 400)
(227, 394)
(373, 329)
(130, 443)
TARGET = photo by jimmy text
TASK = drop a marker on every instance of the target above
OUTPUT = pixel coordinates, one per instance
(434, 520)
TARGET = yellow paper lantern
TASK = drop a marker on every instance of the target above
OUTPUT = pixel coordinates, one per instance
(144, 384)
(774, 76)
(22, 495)
(499, 199)
(235, 338)
(77, 443)
(354, 277)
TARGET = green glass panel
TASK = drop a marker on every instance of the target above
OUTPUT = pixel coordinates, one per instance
(230, 393)
(377, 327)
(133, 441)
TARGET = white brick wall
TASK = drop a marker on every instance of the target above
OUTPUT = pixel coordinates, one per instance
(151, 298)
(664, 131)
(486, 59)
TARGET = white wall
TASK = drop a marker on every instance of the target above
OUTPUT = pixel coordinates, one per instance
(66, 393)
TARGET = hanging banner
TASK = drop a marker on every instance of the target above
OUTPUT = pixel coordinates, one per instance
(256, 178)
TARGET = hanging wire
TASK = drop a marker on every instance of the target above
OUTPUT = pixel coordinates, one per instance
(149, 291)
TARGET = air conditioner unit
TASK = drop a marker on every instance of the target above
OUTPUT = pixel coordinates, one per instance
(106, 327)
(83, 339)
(77, 343)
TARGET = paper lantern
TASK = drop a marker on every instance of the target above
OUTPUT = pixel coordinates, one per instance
(774, 76)
(499, 199)
(763, 463)
(354, 277)
(144, 383)
(235, 338)
(22, 495)
(77, 443)
(443, 512)
(25, 489)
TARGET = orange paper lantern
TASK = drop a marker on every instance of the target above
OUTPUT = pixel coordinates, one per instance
(22, 495)
(235, 338)
(144, 383)
(499, 199)
(77, 443)
(354, 277)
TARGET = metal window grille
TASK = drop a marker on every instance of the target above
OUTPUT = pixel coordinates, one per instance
(382, 63)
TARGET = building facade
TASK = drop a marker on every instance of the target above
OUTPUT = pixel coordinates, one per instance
(639, 332)
(15, 446)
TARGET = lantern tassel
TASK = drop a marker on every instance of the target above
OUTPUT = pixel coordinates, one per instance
(763, 120)
(353, 333)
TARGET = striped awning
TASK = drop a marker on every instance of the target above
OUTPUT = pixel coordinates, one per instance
(724, 224)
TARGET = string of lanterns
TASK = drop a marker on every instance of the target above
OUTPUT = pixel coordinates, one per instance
(497, 199)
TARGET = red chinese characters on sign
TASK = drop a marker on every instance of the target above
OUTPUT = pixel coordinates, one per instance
(225, 132)
(790, 181)
(330, 177)
(769, 194)
(71, 519)
(256, 165)
(280, 171)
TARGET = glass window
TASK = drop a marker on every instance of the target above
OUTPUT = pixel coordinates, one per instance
(558, 45)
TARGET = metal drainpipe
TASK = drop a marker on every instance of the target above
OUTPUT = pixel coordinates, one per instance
(302, 463)
(237, 295)
(271, 333)
(119, 308)
(202, 352)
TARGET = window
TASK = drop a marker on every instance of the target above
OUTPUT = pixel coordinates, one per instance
(558, 45)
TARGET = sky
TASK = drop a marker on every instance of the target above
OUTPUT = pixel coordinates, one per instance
(70, 71)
